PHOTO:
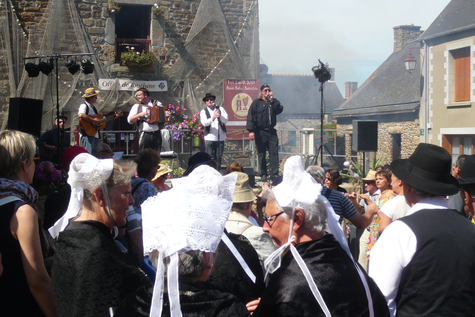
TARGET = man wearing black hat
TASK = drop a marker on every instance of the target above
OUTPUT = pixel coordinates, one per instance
(261, 120)
(214, 119)
(424, 263)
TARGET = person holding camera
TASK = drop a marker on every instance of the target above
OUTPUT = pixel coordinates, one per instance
(261, 121)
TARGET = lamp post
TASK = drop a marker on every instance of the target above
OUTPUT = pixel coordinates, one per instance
(410, 63)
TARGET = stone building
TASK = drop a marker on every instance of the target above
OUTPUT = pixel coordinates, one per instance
(447, 115)
(391, 96)
(195, 45)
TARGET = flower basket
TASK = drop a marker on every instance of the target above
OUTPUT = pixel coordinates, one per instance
(158, 11)
(135, 58)
(185, 126)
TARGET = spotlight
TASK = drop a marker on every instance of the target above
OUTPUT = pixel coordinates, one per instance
(322, 73)
(87, 66)
(32, 69)
(72, 66)
(46, 67)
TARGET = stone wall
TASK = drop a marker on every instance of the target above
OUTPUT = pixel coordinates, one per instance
(404, 34)
(410, 138)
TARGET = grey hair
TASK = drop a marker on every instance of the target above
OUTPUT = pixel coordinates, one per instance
(191, 264)
(239, 207)
(315, 215)
(316, 172)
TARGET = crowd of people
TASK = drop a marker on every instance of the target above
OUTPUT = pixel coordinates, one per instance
(119, 240)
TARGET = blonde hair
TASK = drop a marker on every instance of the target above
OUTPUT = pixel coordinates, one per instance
(15, 147)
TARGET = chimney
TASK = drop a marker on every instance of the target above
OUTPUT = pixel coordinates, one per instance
(404, 34)
(350, 88)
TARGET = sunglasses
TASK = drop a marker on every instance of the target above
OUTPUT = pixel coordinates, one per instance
(267, 90)
(209, 100)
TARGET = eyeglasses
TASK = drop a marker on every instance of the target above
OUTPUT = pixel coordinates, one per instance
(209, 100)
(265, 90)
(269, 219)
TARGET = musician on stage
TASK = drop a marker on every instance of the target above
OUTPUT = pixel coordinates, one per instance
(86, 113)
(214, 119)
(149, 133)
(48, 142)
(261, 121)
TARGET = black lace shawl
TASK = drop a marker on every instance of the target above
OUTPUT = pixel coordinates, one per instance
(288, 294)
(89, 273)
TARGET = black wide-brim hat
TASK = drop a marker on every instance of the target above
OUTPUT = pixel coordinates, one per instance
(467, 172)
(209, 95)
(427, 169)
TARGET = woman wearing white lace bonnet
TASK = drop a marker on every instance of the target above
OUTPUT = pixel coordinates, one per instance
(317, 276)
(185, 225)
(90, 275)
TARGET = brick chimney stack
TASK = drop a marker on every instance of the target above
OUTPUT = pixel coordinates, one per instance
(404, 34)
(350, 88)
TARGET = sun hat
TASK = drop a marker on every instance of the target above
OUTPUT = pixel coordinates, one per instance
(243, 192)
(90, 92)
(427, 169)
(162, 170)
(371, 176)
(467, 172)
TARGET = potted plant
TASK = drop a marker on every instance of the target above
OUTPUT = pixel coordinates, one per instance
(135, 58)
(112, 7)
(158, 11)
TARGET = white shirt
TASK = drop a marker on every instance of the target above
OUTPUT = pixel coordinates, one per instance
(394, 250)
(213, 132)
(396, 208)
(146, 127)
(83, 109)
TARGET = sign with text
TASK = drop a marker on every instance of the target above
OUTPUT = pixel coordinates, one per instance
(132, 85)
(238, 96)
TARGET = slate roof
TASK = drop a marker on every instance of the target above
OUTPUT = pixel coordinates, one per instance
(389, 90)
(458, 16)
(300, 95)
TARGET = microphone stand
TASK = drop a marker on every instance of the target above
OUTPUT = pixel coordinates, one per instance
(219, 139)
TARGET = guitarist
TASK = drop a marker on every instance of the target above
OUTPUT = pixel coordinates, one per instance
(149, 133)
(86, 113)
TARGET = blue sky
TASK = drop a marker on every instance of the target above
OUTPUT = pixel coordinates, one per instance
(353, 36)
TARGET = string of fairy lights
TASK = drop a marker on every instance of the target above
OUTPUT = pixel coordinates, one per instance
(234, 43)
(245, 21)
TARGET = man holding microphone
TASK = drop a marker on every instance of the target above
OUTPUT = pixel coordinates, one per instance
(261, 120)
(214, 119)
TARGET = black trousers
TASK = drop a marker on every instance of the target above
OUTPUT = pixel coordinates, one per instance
(150, 140)
(266, 140)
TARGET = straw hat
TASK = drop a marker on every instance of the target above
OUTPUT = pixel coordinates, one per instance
(90, 92)
(243, 192)
(162, 170)
(371, 176)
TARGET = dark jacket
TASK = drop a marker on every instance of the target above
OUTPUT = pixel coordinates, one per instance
(258, 115)
(288, 293)
(89, 272)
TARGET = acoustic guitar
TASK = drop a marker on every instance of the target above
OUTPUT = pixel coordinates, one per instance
(91, 128)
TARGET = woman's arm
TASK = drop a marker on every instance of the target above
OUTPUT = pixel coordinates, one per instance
(24, 228)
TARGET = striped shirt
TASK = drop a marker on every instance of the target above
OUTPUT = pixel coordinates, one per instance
(340, 203)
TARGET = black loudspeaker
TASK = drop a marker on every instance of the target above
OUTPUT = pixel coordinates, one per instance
(252, 179)
(25, 115)
(365, 136)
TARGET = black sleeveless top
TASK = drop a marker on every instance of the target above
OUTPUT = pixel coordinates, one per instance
(15, 296)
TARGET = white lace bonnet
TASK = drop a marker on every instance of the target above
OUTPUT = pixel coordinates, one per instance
(85, 172)
(300, 190)
(190, 216)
